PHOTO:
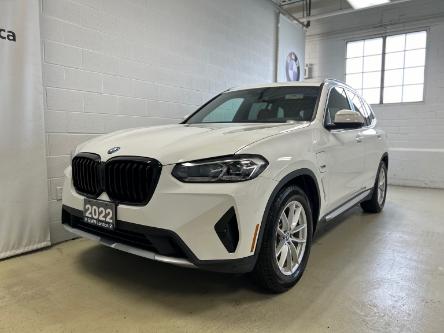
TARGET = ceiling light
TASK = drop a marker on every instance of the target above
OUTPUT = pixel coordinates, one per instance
(358, 4)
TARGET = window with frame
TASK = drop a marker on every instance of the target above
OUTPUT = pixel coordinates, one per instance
(388, 69)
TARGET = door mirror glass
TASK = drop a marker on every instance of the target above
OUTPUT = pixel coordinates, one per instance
(348, 119)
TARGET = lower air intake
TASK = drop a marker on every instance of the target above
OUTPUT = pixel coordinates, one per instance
(227, 230)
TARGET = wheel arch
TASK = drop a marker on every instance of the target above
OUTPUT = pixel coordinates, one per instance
(307, 181)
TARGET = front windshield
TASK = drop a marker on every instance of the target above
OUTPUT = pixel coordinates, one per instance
(264, 105)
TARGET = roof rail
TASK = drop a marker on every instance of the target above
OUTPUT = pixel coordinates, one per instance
(339, 81)
(334, 80)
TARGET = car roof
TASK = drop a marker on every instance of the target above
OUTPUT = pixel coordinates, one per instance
(306, 83)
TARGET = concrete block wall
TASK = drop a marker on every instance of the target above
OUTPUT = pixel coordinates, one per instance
(115, 64)
(415, 130)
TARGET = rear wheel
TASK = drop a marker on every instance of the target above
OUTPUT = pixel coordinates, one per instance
(376, 203)
(287, 241)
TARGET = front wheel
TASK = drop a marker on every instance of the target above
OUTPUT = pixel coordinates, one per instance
(376, 203)
(286, 243)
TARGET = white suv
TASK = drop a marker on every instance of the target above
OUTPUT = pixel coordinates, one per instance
(239, 186)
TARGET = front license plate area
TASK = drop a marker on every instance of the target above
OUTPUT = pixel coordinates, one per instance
(100, 213)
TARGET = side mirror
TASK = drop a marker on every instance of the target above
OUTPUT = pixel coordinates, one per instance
(348, 119)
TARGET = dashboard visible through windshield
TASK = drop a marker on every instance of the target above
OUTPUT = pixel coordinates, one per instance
(261, 105)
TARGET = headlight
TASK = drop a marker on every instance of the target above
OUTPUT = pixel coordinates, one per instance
(235, 168)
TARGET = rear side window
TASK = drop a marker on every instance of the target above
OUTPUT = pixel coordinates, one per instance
(356, 102)
(337, 101)
(369, 111)
(358, 105)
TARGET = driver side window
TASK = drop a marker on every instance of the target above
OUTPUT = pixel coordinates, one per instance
(337, 101)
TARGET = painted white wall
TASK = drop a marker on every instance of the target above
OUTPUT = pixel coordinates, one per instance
(114, 64)
(415, 130)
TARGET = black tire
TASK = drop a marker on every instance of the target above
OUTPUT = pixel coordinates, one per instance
(266, 272)
(373, 205)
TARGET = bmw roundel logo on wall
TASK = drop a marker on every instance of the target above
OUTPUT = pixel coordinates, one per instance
(293, 68)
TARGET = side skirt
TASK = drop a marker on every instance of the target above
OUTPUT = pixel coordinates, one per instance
(363, 196)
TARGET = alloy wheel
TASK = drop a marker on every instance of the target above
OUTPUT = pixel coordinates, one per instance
(291, 237)
(382, 180)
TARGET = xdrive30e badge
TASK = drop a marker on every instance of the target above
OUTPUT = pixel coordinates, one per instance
(113, 150)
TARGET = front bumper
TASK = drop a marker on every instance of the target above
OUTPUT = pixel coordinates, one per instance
(131, 249)
(152, 243)
(185, 215)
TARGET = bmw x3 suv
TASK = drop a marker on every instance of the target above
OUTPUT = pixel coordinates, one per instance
(239, 186)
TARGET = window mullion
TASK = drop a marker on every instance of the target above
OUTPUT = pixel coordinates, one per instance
(362, 68)
(384, 43)
(403, 69)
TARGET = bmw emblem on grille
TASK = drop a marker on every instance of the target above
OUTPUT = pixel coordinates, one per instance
(113, 150)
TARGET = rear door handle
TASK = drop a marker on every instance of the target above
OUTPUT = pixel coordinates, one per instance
(358, 139)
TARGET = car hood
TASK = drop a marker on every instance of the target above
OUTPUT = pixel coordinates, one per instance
(171, 144)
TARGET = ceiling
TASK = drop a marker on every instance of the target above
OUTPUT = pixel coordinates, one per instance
(324, 8)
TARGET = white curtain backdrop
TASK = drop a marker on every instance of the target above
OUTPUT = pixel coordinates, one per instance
(291, 51)
(23, 187)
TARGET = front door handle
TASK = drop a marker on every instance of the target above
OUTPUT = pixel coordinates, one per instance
(358, 139)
